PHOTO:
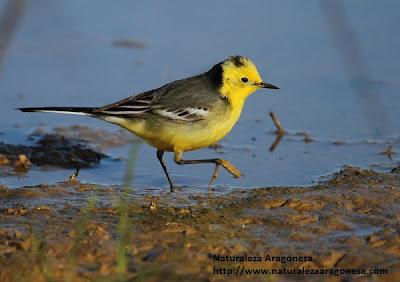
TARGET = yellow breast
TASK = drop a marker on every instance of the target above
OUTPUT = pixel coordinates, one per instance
(186, 136)
(205, 134)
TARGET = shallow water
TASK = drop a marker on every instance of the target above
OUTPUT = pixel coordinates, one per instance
(338, 74)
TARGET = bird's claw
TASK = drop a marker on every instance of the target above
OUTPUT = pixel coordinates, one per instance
(230, 168)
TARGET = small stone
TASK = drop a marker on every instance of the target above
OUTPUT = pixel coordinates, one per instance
(274, 203)
(71, 233)
(152, 206)
(242, 221)
(187, 245)
(23, 163)
(17, 234)
(375, 241)
(294, 203)
(22, 211)
(238, 249)
(348, 205)
(4, 160)
(302, 205)
(25, 245)
(43, 208)
(300, 237)
(175, 227)
(5, 250)
(105, 269)
(335, 223)
(153, 254)
(184, 211)
(331, 260)
(393, 248)
(364, 210)
(304, 218)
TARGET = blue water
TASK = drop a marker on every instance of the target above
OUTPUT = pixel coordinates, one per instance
(338, 82)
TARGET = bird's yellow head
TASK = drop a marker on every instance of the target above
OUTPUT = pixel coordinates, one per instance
(237, 78)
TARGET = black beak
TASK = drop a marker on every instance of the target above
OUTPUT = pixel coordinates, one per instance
(267, 85)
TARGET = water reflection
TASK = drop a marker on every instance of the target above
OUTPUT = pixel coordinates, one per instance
(10, 17)
(351, 52)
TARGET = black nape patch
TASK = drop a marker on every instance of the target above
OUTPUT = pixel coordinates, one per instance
(215, 75)
(238, 61)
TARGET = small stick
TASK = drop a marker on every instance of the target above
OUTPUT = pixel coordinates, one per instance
(279, 128)
(389, 152)
(277, 140)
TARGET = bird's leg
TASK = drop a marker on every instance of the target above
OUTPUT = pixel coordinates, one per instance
(214, 176)
(215, 173)
(160, 154)
(218, 162)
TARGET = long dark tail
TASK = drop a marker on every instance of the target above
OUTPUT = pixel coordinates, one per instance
(87, 111)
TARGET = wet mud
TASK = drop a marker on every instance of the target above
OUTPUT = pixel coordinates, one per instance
(53, 150)
(63, 147)
(83, 232)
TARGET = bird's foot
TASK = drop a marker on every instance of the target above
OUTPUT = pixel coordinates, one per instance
(229, 168)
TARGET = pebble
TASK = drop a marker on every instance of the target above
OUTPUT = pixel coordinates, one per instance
(274, 203)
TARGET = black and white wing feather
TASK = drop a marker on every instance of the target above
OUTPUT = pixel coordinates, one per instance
(134, 105)
(183, 100)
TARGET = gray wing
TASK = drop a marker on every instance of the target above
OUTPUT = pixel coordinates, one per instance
(188, 99)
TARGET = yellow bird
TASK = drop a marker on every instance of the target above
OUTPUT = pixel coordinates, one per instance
(186, 114)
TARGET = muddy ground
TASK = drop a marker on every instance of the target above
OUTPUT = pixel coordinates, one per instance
(82, 232)
(73, 147)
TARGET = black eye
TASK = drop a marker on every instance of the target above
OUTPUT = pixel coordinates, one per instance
(245, 79)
